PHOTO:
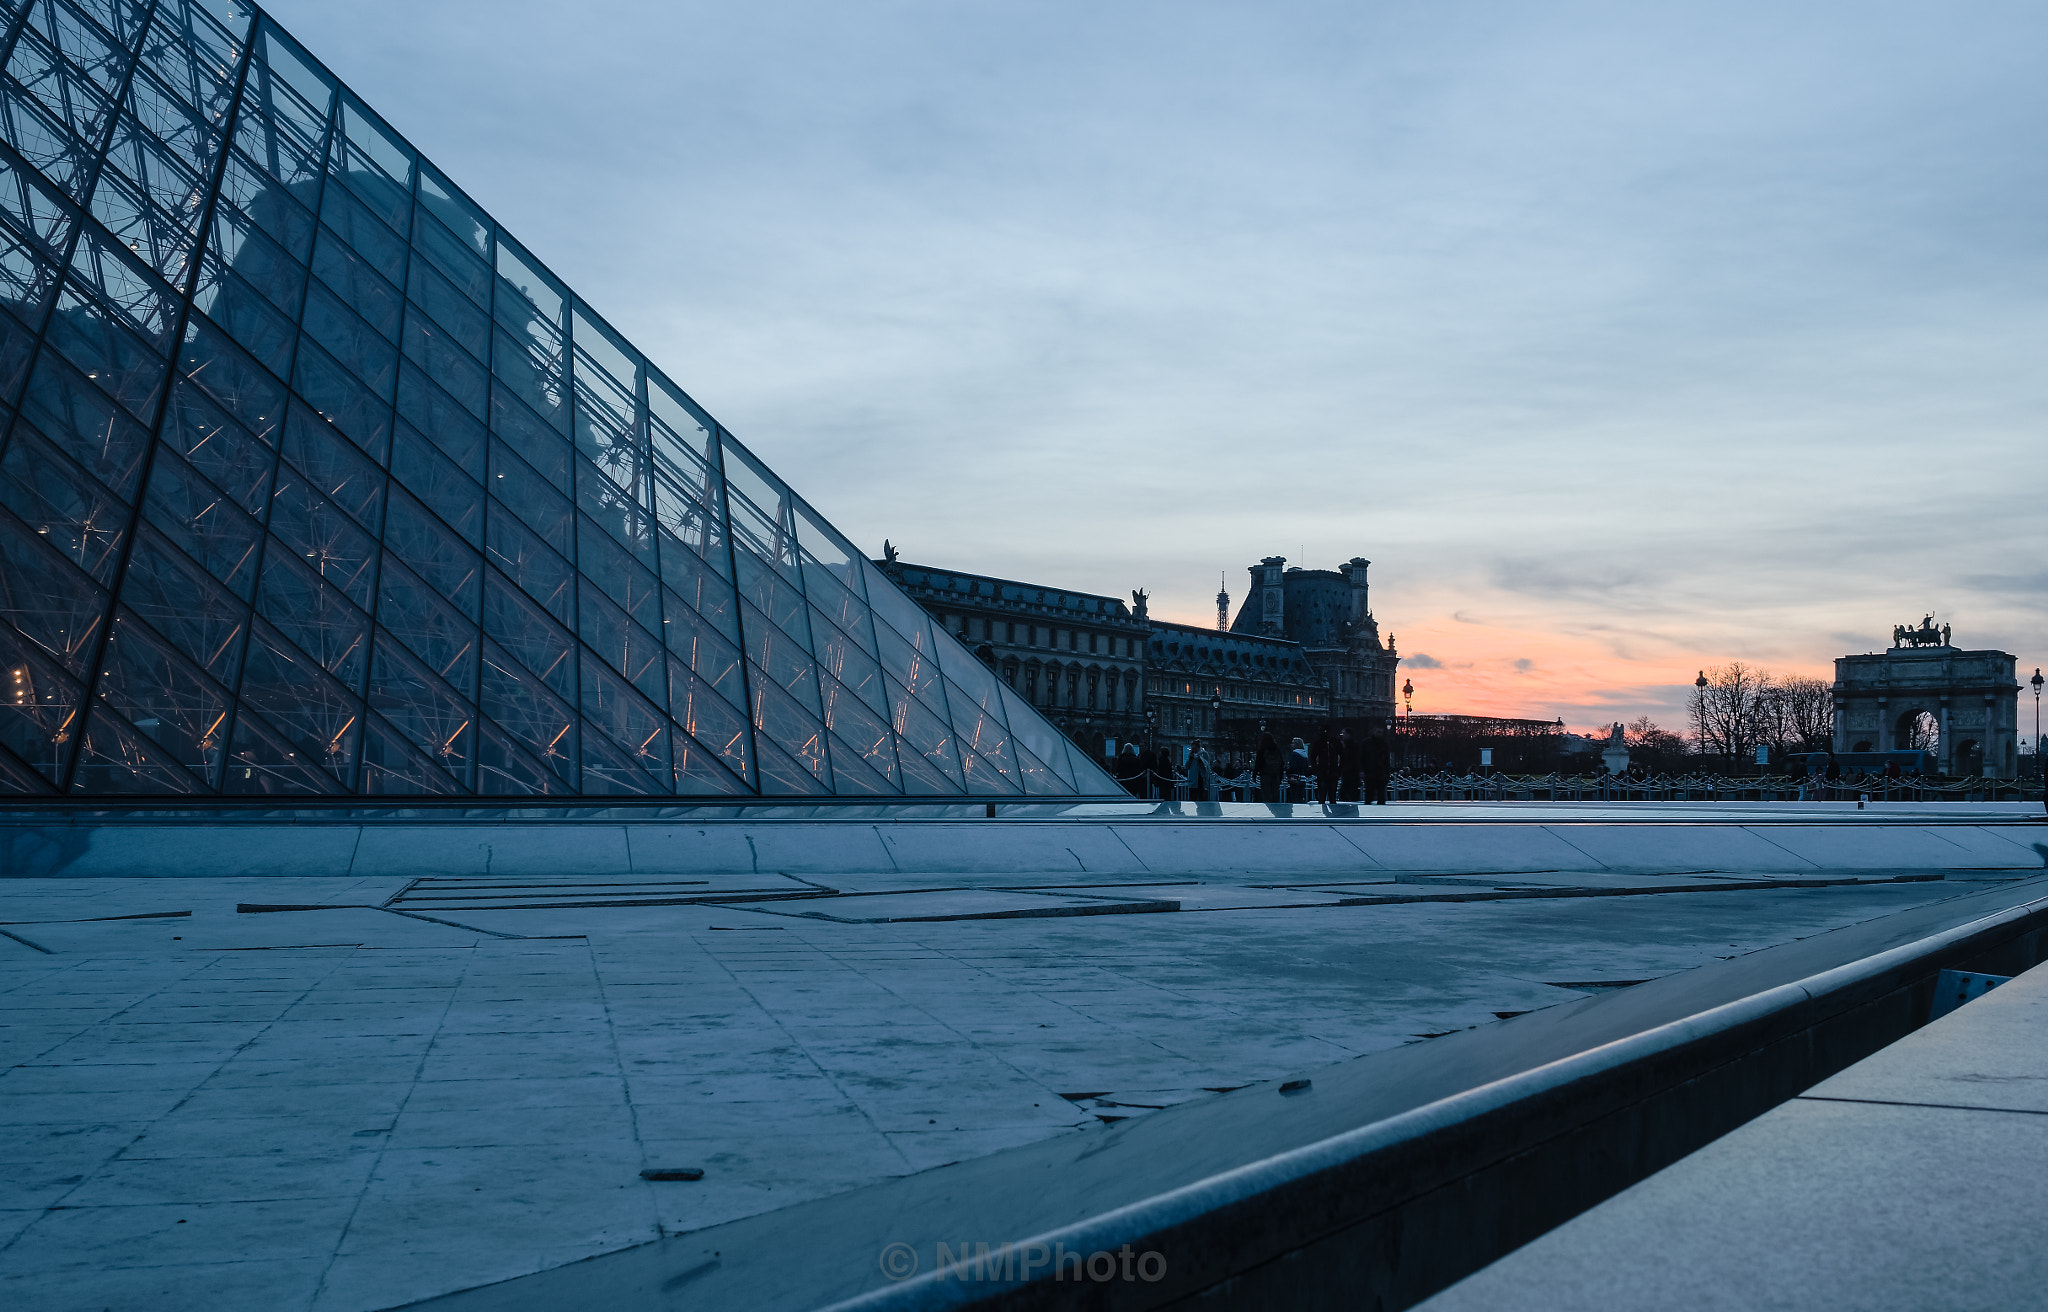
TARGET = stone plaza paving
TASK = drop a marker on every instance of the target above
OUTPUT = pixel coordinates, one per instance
(1912, 1180)
(436, 1083)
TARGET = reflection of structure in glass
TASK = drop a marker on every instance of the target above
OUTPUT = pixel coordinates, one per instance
(314, 482)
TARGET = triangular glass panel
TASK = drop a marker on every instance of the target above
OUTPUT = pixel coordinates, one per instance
(705, 649)
(851, 772)
(115, 757)
(1039, 744)
(67, 507)
(529, 711)
(856, 726)
(609, 770)
(262, 761)
(178, 600)
(433, 717)
(923, 779)
(779, 720)
(322, 719)
(983, 777)
(781, 776)
(39, 706)
(698, 772)
(1040, 780)
(612, 708)
(710, 719)
(783, 659)
(165, 697)
(840, 657)
(47, 600)
(506, 770)
(318, 619)
(391, 764)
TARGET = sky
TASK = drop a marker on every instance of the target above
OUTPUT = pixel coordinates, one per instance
(1623, 339)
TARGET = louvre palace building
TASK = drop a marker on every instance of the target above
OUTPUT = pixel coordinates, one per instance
(1302, 651)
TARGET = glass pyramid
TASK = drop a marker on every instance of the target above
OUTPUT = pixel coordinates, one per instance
(315, 482)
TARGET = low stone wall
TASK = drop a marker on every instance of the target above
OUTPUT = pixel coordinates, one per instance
(1308, 844)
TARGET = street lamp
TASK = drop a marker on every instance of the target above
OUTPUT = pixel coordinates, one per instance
(1700, 713)
(2036, 681)
(1408, 695)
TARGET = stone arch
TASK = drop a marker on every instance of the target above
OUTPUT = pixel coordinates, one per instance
(1970, 697)
(1917, 729)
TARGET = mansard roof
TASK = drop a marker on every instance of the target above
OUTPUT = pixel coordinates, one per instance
(1237, 655)
(992, 591)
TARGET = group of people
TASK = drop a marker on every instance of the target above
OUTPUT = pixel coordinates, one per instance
(1339, 767)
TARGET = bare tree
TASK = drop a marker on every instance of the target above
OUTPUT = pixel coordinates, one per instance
(1734, 712)
(1655, 746)
(1803, 713)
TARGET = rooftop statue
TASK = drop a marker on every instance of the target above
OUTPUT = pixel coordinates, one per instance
(1926, 635)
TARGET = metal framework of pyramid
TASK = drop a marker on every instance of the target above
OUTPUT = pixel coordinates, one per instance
(316, 483)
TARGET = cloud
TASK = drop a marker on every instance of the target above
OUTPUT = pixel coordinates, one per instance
(1584, 351)
(1524, 664)
(1421, 662)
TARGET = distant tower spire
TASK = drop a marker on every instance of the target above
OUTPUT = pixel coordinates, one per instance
(1222, 603)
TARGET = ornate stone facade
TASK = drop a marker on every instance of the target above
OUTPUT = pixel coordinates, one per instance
(1328, 613)
(1189, 670)
(1304, 649)
(1972, 695)
(1076, 656)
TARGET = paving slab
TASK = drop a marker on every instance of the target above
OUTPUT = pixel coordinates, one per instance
(755, 849)
(1694, 847)
(998, 848)
(1497, 848)
(1178, 846)
(1991, 1053)
(1812, 1206)
(1914, 1179)
(962, 904)
(508, 849)
(1888, 847)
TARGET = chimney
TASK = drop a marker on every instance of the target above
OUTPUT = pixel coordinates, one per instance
(1271, 590)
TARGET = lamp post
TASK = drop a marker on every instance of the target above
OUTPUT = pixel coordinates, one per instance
(2036, 681)
(1408, 695)
(1151, 750)
(1699, 702)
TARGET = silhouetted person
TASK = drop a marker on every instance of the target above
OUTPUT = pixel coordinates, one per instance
(1269, 764)
(1201, 774)
(1130, 770)
(1164, 773)
(1378, 768)
(1323, 764)
(1350, 766)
